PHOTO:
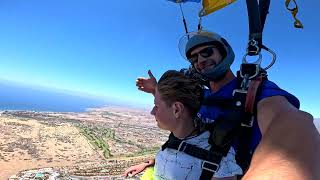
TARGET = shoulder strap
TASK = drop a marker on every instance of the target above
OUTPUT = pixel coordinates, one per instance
(223, 132)
(244, 152)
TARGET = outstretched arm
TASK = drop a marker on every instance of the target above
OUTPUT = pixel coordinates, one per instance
(290, 143)
(136, 169)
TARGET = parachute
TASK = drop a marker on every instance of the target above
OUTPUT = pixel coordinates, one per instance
(210, 6)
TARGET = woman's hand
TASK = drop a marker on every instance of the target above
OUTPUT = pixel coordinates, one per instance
(133, 170)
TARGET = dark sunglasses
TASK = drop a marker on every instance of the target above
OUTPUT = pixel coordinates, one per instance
(206, 52)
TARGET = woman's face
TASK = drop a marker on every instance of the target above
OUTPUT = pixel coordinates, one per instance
(163, 113)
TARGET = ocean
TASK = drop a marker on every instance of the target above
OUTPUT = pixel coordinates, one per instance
(15, 96)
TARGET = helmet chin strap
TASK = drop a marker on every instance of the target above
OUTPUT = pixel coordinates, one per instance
(212, 76)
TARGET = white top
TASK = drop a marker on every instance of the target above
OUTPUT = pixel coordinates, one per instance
(174, 165)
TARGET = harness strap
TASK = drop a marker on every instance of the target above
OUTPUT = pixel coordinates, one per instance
(194, 151)
(264, 11)
(208, 168)
(257, 14)
(244, 152)
(251, 94)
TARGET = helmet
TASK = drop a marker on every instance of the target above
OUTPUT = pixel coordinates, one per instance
(209, 38)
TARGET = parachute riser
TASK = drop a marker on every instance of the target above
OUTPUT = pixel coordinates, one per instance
(257, 13)
(183, 19)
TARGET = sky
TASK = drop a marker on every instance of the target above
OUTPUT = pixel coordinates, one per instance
(100, 47)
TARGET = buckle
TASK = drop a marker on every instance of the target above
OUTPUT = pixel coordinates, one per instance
(248, 124)
(182, 146)
(250, 69)
(239, 91)
(253, 46)
(210, 166)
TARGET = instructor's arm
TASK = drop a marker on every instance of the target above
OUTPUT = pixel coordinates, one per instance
(290, 145)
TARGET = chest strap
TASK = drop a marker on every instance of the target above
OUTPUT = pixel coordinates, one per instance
(211, 159)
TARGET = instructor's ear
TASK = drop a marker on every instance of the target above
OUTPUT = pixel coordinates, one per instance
(178, 108)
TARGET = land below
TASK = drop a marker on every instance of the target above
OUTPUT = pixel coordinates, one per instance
(98, 142)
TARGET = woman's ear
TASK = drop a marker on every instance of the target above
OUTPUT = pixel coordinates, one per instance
(178, 109)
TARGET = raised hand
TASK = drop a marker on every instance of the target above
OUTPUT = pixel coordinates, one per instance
(147, 85)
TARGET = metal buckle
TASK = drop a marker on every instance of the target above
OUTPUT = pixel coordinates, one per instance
(253, 44)
(242, 91)
(215, 166)
(239, 91)
(250, 124)
(182, 145)
(258, 61)
(257, 70)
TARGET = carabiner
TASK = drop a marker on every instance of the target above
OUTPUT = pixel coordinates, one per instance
(274, 57)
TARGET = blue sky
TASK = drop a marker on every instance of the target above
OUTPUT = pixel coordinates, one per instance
(100, 47)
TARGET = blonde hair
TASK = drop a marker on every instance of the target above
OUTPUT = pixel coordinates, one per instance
(175, 86)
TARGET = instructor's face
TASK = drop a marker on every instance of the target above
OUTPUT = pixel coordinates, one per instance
(205, 57)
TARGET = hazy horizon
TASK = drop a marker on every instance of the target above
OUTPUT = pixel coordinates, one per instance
(22, 96)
